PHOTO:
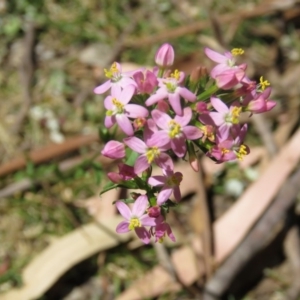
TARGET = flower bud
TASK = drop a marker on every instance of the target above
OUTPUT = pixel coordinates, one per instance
(164, 56)
(154, 211)
(114, 150)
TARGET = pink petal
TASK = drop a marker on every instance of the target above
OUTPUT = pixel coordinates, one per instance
(157, 180)
(147, 220)
(161, 119)
(135, 144)
(186, 118)
(176, 193)
(218, 118)
(141, 164)
(127, 94)
(140, 205)
(108, 103)
(143, 234)
(160, 139)
(136, 111)
(123, 227)
(223, 132)
(219, 105)
(164, 161)
(109, 121)
(164, 195)
(156, 97)
(186, 94)
(192, 132)
(219, 69)
(123, 209)
(215, 56)
(124, 124)
(103, 87)
(178, 146)
(174, 100)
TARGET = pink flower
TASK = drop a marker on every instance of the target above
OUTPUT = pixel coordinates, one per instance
(114, 150)
(161, 230)
(146, 82)
(151, 151)
(164, 56)
(176, 131)
(125, 173)
(170, 88)
(225, 117)
(116, 79)
(232, 148)
(118, 109)
(136, 219)
(170, 182)
(259, 103)
(226, 73)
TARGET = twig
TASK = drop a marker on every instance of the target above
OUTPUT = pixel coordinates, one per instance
(255, 240)
(26, 74)
(292, 251)
(47, 153)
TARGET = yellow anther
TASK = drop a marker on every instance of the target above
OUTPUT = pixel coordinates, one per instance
(241, 152)
(119, 106)
(224, 151)
(237, 51)
(152, 153)
(113, 69)
(263, 83)
(175, 129)
(134, 222)
(175, 75)
(235, 113)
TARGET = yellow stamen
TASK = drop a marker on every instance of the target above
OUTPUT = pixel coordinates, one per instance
(237, 51)
(224, 151)
(175, 129)
(176, 75)
(235, 113)
(152, 153)
(241, 152)
(134, 222)
(118, 104)
(113, 69)
(263, 83)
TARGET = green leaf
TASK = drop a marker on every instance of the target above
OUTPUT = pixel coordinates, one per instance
(208, 92)
(132, 158)
(130, 184)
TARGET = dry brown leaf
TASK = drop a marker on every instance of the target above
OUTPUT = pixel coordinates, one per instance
(63, 254)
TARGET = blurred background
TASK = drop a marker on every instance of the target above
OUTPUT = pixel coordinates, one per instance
(53, 53)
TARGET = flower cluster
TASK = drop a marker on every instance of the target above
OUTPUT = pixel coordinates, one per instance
(167, 115)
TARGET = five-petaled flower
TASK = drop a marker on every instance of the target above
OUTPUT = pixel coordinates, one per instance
(118, 109)
(136, 219)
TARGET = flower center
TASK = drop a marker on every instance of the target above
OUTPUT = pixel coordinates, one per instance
(241, 152)
(174, 180)
(233, 117)
(119, 107)
(174, 129)
(113, 73)
(152, 153)
(224, 151)
(134, 222)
